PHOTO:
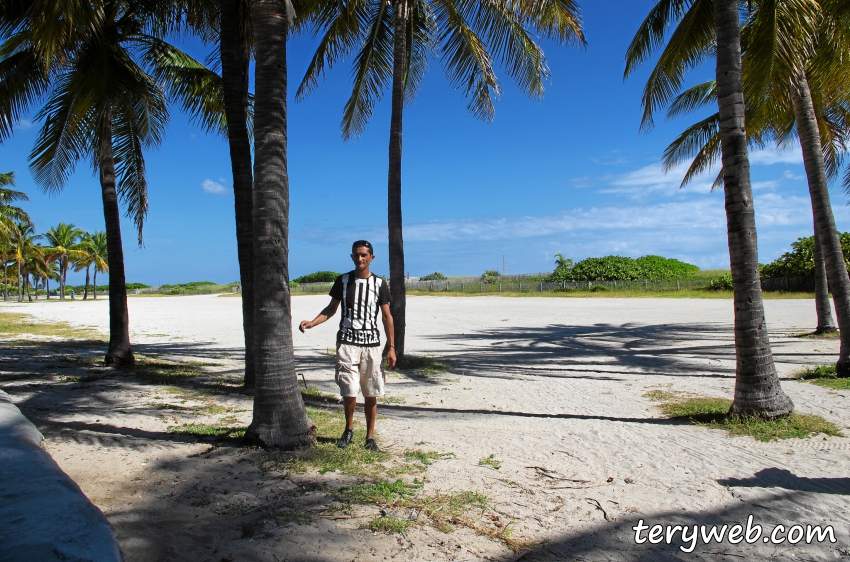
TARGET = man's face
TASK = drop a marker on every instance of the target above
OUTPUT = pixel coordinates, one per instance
(362, 257)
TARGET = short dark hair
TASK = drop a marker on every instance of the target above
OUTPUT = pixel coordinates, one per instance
(362, 243)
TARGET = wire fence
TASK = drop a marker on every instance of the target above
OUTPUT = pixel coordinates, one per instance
(528, 284)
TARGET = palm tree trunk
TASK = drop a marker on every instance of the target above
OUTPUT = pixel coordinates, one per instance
(235, 58)
(826, 322)
(119, 352)
(47, 284)
(757, 389)
(827, 233)
(280, 419)
(86, 290)
(20, 285)
(94, 287)
(61, 278)
(5, 282)
(394, 221)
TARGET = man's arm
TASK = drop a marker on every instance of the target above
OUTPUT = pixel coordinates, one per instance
(323, 316)
(389, 329)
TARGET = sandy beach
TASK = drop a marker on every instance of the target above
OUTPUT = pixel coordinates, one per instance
(551, 390)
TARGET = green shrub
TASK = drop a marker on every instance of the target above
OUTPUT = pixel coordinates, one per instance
(318, 277)
(722, 283)
(800, 261)
(436, 276)
(620, 268)
(490, 276)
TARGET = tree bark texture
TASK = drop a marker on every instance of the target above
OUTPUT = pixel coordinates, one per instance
(757, 388)
(827, 233)
(394, 221)
(94, 287)
(826, 322)
(62, 277)
(280, 418)
(119, 351)
(86, 290)
(235, 58)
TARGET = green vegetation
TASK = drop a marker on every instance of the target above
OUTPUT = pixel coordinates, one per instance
(313, 392)
(800, 261)
(722, 283)
(446, 508)
(160, 371)
(490, 276)
(220, 432)
(318, 277)
(13, 324)
(824, 375)
(389, 525)
(380, 492)
(436, 276)
(620, 268)
(491, 462)
(714, 413)
(422, 365)
(426, 457)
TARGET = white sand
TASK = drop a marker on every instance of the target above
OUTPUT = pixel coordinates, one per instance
(551, 383)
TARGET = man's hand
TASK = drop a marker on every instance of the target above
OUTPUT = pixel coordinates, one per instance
(391, 359)
(305, 325)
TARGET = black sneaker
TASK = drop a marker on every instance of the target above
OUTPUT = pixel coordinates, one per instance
(345, 440)
(371, 445)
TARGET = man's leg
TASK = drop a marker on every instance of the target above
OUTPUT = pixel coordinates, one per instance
(371, 408)
(350, 404)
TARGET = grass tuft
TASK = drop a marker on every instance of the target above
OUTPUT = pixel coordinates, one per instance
(825, 376)
(380, 492)
(12, 324)
(422, 365)
(313, 392)
(208, 430)
(491, 462)
(389, 525)
(714, 413)
(426, 457)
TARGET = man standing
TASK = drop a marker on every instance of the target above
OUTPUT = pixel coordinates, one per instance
(358, 342)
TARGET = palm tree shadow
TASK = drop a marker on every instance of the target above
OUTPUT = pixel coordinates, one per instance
(782, 478)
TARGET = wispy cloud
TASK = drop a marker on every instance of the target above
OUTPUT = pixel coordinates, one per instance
(789, 154)
(24, 124)
(210, 186)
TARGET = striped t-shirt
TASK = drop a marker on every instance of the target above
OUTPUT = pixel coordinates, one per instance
(360, 307)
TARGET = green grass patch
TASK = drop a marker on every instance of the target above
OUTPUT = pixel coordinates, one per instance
(325, 456)
(426, 457)
(713, 413)
(313, 392)
(13, 324)
(389, 525)
(381, 492)
(208, 430)
(449, 506)
(394, 399)
(825, 376)
(658, 395)
(422, 364)
(159, 371)
(491, 462)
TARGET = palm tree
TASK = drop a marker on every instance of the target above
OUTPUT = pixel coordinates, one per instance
(280, 419)
(24, 248)
(395, 39)
(10, 214)
(705, 26)
(562, 263)
(99, 255)
(781, 102)
(89, 62)
(66, 246)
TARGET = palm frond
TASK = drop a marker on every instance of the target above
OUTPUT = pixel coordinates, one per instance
(650, 34)
(23, 81)
(344, 27)
(692, 142)
(689, 44)
(692, 99)
(466, 61)
(372, 71)
(421, 41)
(555, 20)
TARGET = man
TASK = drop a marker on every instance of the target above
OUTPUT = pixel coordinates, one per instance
(358, 343)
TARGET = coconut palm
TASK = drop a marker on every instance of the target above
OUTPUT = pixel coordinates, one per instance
(562, 263)
(10, 214)
(782, 102)
(23, 247)
(66, 246)
(703, 27)
(394, 40)
(90, 62)
(280, 419)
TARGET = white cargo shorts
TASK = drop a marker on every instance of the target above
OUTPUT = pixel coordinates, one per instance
(359, 365)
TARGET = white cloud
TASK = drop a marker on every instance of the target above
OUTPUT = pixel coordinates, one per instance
(652, 180)
(788, 154)
(210, 186)
(24, 124)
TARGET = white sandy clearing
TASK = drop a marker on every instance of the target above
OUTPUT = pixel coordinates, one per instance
(551, 388)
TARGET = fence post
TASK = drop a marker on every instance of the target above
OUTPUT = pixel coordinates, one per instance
(500, 286)
(677, 284)
(520, 285)
(447, 286)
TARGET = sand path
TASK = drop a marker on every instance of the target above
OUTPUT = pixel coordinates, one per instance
(552, 388)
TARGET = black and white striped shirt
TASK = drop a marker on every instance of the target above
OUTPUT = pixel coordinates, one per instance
(360, 307)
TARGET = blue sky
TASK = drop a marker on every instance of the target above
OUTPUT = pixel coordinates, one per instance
(570, 174)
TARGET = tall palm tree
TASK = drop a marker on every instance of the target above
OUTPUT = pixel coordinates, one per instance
(280, 419)
(394, 40)
(703, 27)
(10, 214)
(781, 101)
(24, 248)
(90, 62)
(98, 252)
(66, 246)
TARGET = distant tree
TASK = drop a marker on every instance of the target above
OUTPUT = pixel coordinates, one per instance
(65, 247)
(436, 276)
(562, 263)
(93, 247)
